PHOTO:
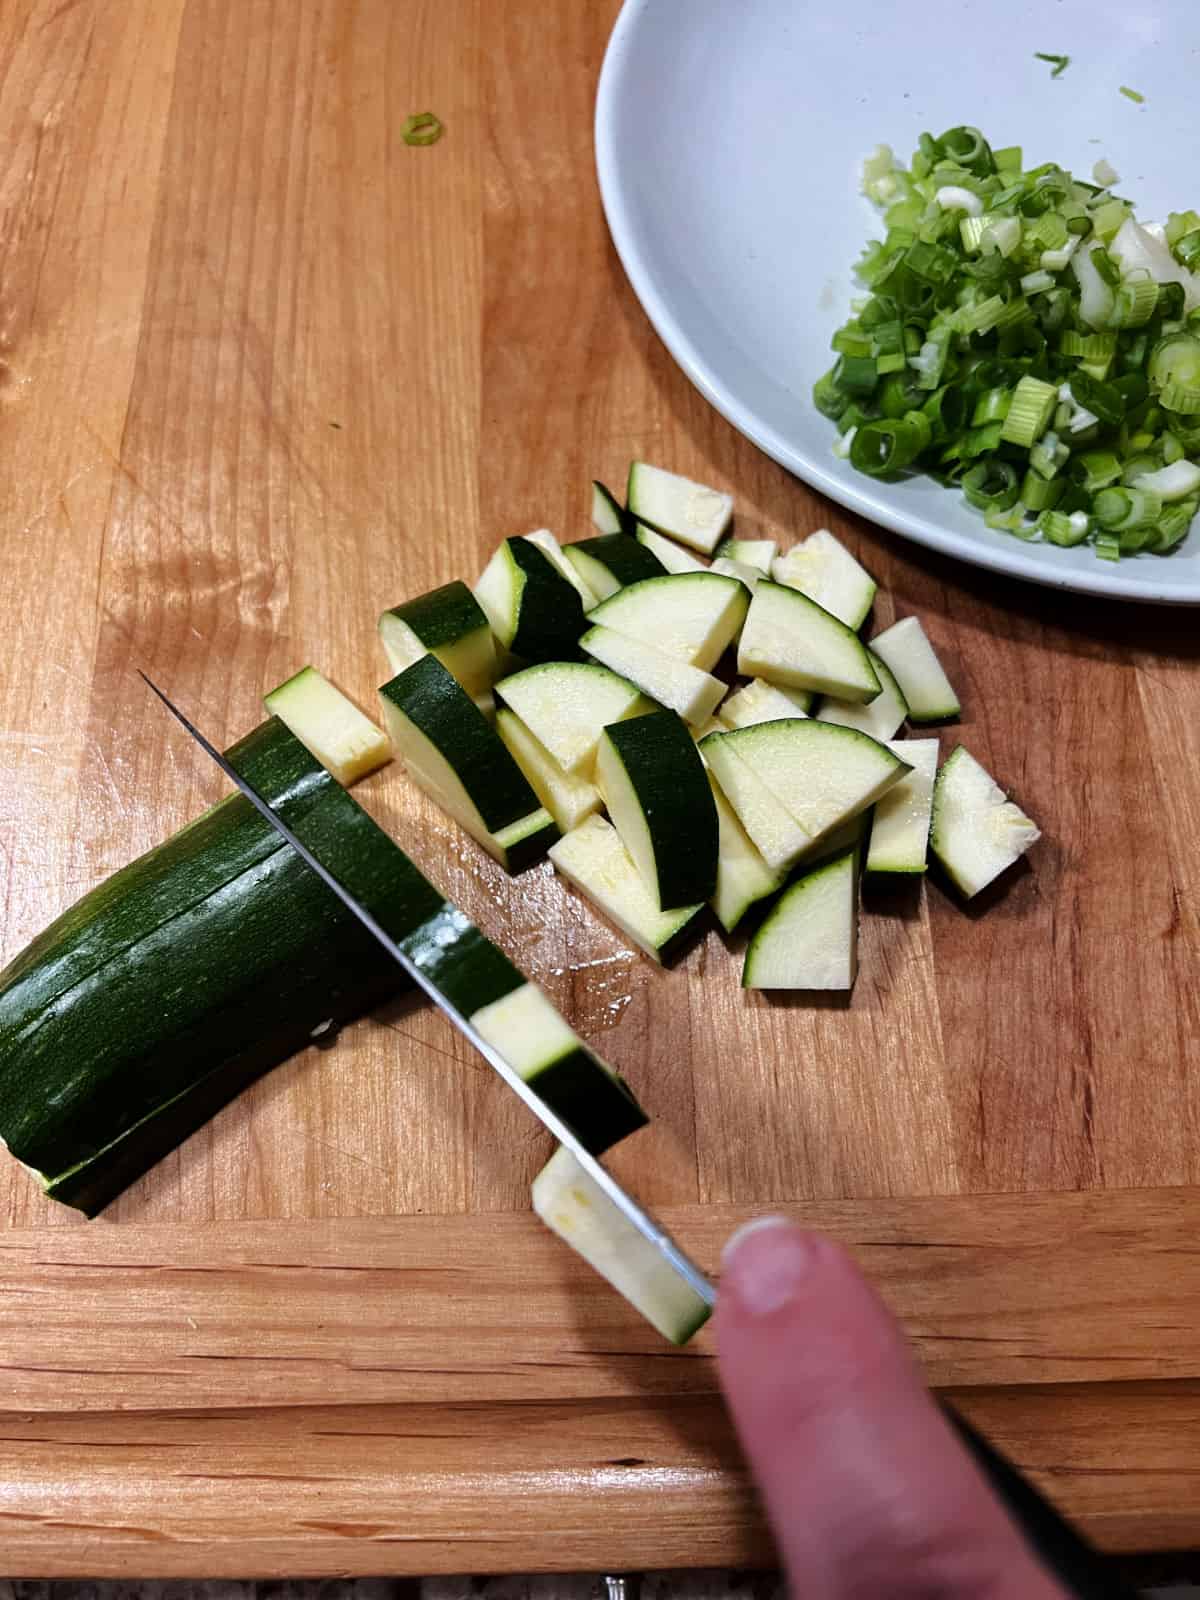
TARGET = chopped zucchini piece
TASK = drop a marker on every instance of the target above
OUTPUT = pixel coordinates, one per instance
(900, 821)
(329, 726)
(977, 831)
(809, 938)
(449, 623)
(789, 639)
(566, 796)
(683, 510)
(686, 689)
(917, 671)
(823, 569)
(593, 858)
(692, 616)
(567, 705)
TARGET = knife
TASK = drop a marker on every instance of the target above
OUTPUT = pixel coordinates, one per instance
(1060, 1548)
(658, 1237)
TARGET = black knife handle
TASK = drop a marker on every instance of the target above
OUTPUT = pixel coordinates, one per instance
(1064, 1553)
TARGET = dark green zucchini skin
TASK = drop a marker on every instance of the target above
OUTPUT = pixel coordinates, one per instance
(171, 986)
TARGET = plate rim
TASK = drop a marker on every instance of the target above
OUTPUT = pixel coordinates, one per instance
(1103, 584)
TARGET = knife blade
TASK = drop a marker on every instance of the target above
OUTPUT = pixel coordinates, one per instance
(671, 1253)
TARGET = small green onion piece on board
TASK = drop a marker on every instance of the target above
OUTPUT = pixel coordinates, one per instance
(1059, 64)
(1132, 94)
(422, 128)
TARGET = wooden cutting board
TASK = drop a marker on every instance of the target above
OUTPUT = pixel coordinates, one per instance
(266, 369)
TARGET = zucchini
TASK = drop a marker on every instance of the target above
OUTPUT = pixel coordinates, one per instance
(776, 834)
(536, 1041)
(165, 991)
(608, 514)
(820, 773)
(329, 726)
(743, 877)
(692, 616)
(450, 750)
(686, 689)
(514, 1016)
(823, 569)
(919, 674)
(756, 553)
(882, 717)
(567, 705)
(977, 832)
(748, 577)
(760, 701)
(566, 796)
(674, 505)
(789, 639)
(900, 822)
(552, 550)
(593, 858)
(573, 1206)
(450, 623)
(612, 560)
(658, 796)
(809, 938)
(533, 610)
(673, 556)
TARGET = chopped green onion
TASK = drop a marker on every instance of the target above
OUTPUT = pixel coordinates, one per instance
(991, 486)
(1174, 372)
(1178, 481)
(1065, 528)
(1122, 510)
(1058, 63)
(422, 128)
(1021, 335)
(889, 445)
(1096, 469)
(1132, 94)
(1033, 404)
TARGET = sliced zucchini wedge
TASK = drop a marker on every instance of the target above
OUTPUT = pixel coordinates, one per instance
(760, 701)
(900, 820)
(919, 674)
(567, 705)
(329, 725)
(789, 639)
(658, 796)
(693, 616)
(677, 506)
(573, 1206)
(776, 834)
(609, 562)
(881, 718)
(566, 796)
(809, 938)
(822, 568)
(593, 859)
(533, 610)
(675, 684)
(743, 877)
(449, 623)
(977, 831)
(673, 556)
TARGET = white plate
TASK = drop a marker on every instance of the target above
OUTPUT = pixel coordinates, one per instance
(729, 135)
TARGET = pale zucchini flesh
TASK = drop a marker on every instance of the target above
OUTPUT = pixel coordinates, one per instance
(449, 623)
(329, 725)
(756, 553)
(881, 718)
(658, 796)
(573, 1206)
(819, 772)
(608, 515)
(977, 831)
(822, 568)
(552, 550)
(673, 556)
(692, 616)
(567, 705)
(900, 820)
(546, 1053)
(691, 692)
(566, 796)
(743, 877)
(679, 507)
(593, 859)
(776, 834)
(789, 639)
(760, 701)
(918, 672)
(809, 938)
(749, 577)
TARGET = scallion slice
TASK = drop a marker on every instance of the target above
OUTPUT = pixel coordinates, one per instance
(1021, 336)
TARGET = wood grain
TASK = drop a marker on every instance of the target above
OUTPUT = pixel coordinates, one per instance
(264, 370)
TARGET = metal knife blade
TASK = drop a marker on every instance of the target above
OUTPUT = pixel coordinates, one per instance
(675, 1258)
